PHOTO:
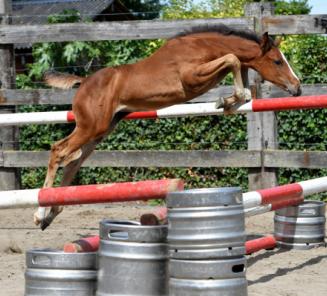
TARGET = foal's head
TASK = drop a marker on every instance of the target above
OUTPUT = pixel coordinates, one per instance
(273, 66)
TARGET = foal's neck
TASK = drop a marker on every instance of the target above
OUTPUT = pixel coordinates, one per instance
(246, 50)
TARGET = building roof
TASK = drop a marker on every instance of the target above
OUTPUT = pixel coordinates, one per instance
(37, 11)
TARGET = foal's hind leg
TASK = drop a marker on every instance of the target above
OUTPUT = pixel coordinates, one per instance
(66, 149)
(69, 171)
(210, 70)
(74, 165)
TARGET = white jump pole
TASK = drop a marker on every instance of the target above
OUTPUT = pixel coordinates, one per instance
(260, 201)
(89, 194)
(255, 202)
(198, 109)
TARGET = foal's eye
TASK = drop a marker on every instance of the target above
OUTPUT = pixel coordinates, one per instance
(278, 62)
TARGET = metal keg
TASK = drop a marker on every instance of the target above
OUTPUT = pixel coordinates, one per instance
(302, 226)
(206, 223)
(132, 259)
(55, 273)
(208, 277)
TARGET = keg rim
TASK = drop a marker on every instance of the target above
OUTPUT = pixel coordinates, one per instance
(49, 258)
(130, 224)
(200, 197)
(52, 251)
(300, 210)
(309, 202)
(132, 231)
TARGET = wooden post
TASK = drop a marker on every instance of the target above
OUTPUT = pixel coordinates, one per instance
(261, 127)
(9, 178)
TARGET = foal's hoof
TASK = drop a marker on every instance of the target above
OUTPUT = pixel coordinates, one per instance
(229, 111)
(44, 224)
(247, 95)
(220, 103)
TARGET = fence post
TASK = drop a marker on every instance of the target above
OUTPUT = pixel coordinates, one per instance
(262, 126)
(9, 178)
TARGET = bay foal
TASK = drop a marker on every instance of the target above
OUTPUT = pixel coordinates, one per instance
(183, 68)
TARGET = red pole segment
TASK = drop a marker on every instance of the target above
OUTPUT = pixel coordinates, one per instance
(86, 244)
(142, 115)
(134, 115)
(286, 203)
(91, 244)
(271, 104)
(280, 193)
(289, 103)
(267, 242)
(116, 192)
(70, 116)
(277, 197)
(157, 217)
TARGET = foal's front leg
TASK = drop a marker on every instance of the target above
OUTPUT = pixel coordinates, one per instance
(211, 69)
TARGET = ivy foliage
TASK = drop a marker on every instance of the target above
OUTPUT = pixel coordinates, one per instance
(298, 130)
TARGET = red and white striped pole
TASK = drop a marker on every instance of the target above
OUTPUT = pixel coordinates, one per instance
(263, 243)
(198, 109)
(265, 200)
(85, 244)
(254, 201)
(89, 194)
(262, 201)
(91, 244)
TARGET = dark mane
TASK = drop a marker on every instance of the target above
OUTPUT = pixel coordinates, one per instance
(221, 29)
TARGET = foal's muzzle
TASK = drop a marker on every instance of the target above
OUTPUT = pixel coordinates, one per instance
(298, 92)
(295, 91)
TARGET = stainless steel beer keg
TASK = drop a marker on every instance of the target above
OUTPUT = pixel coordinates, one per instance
(132, 259)
(302, 226)
(208, 277)
(206, 223)
(55, 273)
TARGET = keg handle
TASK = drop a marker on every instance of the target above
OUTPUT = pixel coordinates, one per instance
(41, 259)
(308, 211)
(121, 231)
(133, 232)
(123, 235)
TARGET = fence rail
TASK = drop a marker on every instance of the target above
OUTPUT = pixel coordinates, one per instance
(154, 29)
(124, 30)
(64, 97)
(174, 158)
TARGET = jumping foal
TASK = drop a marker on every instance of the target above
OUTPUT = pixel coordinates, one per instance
(183, 68)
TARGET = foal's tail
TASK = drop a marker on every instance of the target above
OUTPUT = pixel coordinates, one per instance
(62, 80)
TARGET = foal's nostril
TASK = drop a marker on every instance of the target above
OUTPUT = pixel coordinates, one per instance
(296, 91)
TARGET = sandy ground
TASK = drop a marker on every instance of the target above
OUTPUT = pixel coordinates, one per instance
(291, 273)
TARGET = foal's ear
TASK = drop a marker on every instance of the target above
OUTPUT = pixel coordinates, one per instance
(265, 43)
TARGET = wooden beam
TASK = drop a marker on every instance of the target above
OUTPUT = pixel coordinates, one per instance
(36, 96)
(96, 31)
(262, 126)
(9, 178)
(295, 159)
(154, 29)
(64, 97)
(294, 24)
(196, 158)
(269, 90)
